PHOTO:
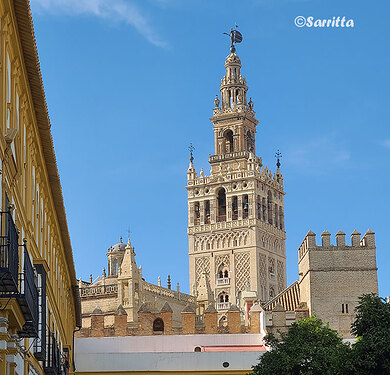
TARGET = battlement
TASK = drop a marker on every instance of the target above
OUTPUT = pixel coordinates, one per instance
(309, 242)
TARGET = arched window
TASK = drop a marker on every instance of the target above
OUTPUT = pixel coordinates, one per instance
(221, 205)
(207, 212)
(271, 292)
(245, 207)
(115, 267)
(235, 208)
(226, 273)
(222, 321)
(281, 218)
(229, 146)
(221, 298)
(220, 274)
(276, 215)
(249, 141)
(197, 214)
(226, 298)
(158, 325)
(259, 212)
(269, 205)
(264, 209)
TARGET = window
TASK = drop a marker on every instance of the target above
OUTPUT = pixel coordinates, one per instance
(344, 308)
(229, 147)
(221, 205)
(245, 207)
(197, 213)
(158, 325)
(235, 208)
(259, 211)
(207, 212)
(269, 204)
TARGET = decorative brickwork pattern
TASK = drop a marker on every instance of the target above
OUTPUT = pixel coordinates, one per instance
(221, 240)
(242, 270)
(263, 275)
(280, 275)
(202, 264)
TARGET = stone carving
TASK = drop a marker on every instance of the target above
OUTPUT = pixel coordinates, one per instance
(219, 259)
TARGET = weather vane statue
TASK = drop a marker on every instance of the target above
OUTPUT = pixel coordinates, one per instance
(235, 37)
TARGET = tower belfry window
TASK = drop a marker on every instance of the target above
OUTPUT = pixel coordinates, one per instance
(229, 146)
(207, 212)
(269, 204)
(235, 208)
(245, 207)
(221, 205)
(197, 214)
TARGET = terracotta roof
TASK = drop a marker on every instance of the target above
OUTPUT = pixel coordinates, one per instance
(288, 298)
(34, 76)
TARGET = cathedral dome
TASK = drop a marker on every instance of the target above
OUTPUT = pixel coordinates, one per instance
(120, 246)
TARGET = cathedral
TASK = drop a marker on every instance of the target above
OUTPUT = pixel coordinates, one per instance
(237, 252)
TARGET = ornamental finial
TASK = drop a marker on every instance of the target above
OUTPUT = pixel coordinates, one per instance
(278, 155)
(191, 149)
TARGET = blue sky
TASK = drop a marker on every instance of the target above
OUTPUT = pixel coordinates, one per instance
(130, 84)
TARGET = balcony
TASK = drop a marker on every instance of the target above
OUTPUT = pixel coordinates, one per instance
(223, 305)
(9, 254)
(223, 281)
(52, 364)
(13, 284)
(28, 298)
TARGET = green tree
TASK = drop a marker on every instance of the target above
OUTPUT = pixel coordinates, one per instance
(309, 348)
(371, 352)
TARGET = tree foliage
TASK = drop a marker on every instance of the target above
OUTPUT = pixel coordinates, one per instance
(309, 347)
(371, 352)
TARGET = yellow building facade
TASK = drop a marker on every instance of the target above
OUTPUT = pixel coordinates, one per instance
(39, 299)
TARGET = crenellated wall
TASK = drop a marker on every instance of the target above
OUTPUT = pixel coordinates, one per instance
(333, 276)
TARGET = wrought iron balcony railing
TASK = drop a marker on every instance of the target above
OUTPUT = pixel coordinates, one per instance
(21, 286)
(28, 297)
(9, 254)
(53, 356)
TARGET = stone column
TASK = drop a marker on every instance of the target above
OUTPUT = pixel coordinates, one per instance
(212, 210)
(228, 208)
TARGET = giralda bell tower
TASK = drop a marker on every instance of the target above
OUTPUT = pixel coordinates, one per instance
(236, 214)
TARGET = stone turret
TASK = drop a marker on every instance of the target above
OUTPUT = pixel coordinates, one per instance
(129, 283)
